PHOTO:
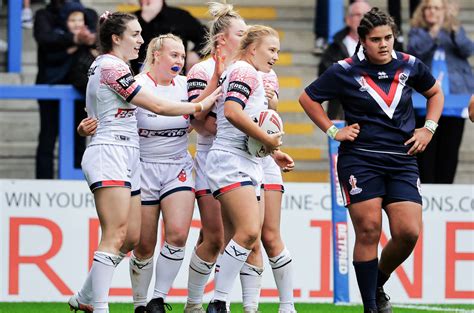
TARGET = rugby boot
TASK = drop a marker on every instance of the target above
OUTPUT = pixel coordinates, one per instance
(140, 309)
(217, 307)
(383, 301)
(157, 305)
(75, 305)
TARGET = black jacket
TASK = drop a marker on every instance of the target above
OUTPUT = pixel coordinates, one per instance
(334, 52)
(170, 20)
(53, 41)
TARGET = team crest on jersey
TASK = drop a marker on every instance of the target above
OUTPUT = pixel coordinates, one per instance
(402, 78)
(382, 75)
(363, 84)
(354, 189)
(182, 176)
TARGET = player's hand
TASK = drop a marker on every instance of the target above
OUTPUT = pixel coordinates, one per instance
(209, 101)
(284, 161)
(420, 139)
(349, 132)
(273, 142)
(269, 92)
(87, 127)
(220, 62)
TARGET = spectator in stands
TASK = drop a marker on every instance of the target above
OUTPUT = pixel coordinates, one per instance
(438, 39)
(26, 15)
(321, 21)
(343, 46)
(57, 45)
(157, 18)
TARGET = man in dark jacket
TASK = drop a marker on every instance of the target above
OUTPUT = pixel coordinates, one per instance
(343, 46)
(157, 18)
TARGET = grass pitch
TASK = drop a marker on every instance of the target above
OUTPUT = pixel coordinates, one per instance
(24, 307)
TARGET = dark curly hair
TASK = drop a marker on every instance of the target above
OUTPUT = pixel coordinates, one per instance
(375, 17)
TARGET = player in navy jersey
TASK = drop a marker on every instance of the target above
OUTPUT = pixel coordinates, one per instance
(377, 165)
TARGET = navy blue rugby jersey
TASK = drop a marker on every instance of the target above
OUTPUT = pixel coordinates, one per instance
(378, 97)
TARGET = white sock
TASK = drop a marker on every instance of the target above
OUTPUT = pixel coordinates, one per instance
(283, 273)
(199, 272)
(167, 267)
(102, 272)
(230, 262)
(141, 272)
(251, 281)
(85, 294)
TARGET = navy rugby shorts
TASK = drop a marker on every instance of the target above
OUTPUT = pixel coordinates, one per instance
(366, 175)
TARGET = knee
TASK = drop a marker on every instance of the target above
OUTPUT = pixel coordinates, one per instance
(407, 237)
(216, 242)
(177, 238)
(248, 237)
(271, 241)
(368, 234)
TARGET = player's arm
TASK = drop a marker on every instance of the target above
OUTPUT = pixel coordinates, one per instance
(434, 107)
(317, 114)
(212, 84)
(235, 114)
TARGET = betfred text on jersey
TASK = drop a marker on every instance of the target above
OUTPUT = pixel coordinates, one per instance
(176, 132)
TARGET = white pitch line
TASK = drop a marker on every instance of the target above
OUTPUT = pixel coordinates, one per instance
(431, 308)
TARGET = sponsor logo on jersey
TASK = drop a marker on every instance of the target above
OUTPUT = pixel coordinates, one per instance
(382, 75)
(353, 182)
(124, 113)
(402, 78)
(122, 138)
(126, 81)
(196, 84)
(240, 87)
(176, 132)
(91, 70)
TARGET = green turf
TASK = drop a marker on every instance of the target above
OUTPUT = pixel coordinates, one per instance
(22, 307)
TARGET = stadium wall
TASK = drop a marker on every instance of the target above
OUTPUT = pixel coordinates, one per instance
(49, 230)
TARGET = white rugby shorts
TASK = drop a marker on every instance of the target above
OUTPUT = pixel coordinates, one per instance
(112, 166)
(160, 180)
(202, 185)
(227, 171)
(272, 179)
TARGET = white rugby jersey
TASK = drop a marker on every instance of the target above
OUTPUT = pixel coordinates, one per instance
(110, 89)
(163, 137)
(244, 85)
(198, 78)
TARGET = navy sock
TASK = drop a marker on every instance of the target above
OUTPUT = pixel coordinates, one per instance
(381, 278)
(366, 273)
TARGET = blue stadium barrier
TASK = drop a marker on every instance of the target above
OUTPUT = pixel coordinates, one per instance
(335, 18)
(66, 95)
(340, 231)
(14, 36)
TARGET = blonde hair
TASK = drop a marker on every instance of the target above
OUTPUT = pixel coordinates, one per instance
(255, 34)
(223, 14)
(156, 44)
(418, 19)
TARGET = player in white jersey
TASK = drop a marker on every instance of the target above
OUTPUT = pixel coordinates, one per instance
(225, 33)
(112, 158)
(278, 256)
(234, 175)
(166, 176)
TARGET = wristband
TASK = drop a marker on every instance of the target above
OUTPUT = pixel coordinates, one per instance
(332, 131)
(431, 126)
(198, 108)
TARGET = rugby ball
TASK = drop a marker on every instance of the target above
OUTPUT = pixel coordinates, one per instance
(269, 121)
